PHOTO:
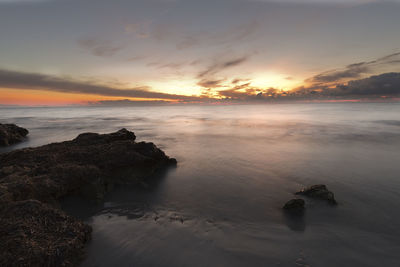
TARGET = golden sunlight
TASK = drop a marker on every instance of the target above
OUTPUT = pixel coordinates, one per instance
(275, 80)
(186, 87)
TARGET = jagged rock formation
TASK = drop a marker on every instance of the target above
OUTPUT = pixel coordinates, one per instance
(33, 230)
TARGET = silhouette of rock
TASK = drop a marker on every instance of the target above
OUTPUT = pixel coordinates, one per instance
(294, 204)
(33, 230)
(318, 191)
(11, 134)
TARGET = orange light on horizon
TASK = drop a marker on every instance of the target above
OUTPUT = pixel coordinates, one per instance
(39, 98)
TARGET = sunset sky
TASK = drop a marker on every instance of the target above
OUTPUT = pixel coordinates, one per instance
(58, 52)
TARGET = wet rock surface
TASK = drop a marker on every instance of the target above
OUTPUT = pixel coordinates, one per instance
(11, 134)
(320, 192)
(296, 204)
(33, 230)
(33, 233)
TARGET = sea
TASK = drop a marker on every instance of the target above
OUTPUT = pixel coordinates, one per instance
(237, 166)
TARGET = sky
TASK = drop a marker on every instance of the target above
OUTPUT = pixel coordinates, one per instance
(57, 52)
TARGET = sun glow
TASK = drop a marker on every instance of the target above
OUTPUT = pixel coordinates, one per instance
(186, 87)
(274, 80)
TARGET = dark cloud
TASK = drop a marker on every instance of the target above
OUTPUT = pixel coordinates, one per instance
(233, 93)
(233, 63)
(355, 70)
(342, 83)
(170, 65)
(35, 81)
(210, 83)
(175, 65)
(383, 86)
(235, 81)
(219, 66)
(98, 47)
(351, 71)
(247, 92)
(389, 57)
(387, 84)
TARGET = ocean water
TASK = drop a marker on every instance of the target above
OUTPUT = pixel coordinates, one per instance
(237, 166)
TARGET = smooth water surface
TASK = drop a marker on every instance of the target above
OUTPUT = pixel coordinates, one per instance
(237, 166)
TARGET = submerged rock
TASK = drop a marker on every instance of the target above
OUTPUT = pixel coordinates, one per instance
(11, 134)
(33, 180)
(296, 204)
(318, 191)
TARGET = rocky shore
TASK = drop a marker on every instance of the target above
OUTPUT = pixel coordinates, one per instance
(34, 231)
(11, 134)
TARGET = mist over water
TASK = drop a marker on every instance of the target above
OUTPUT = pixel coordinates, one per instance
(237, 166)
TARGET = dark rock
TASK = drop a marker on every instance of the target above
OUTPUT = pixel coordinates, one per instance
(318, 191)
(11, 134)
(294, 204)
(173, 161)
(33, 181)
(35, 234)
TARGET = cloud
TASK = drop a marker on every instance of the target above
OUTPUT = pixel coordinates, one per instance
(210, 83)
(355, 70)
(170, 65)
(220, 66)
(235, 81)
(383, 86)
(388, 57)
(237, 33)
(233, 93)
(351, 71)
(386, 84)
(187, 42)
(243, 90)
(355, 80)
(35, 81)
(135, 58)
(98, 47)
(141, 30)
(185, 37)
(376, 86)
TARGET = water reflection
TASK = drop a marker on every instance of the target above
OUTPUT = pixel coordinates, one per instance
(295, 220)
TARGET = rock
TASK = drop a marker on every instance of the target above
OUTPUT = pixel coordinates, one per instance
(33, 181)
(35, 234)
(11, 134)
(296, 204)
(318, 191)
